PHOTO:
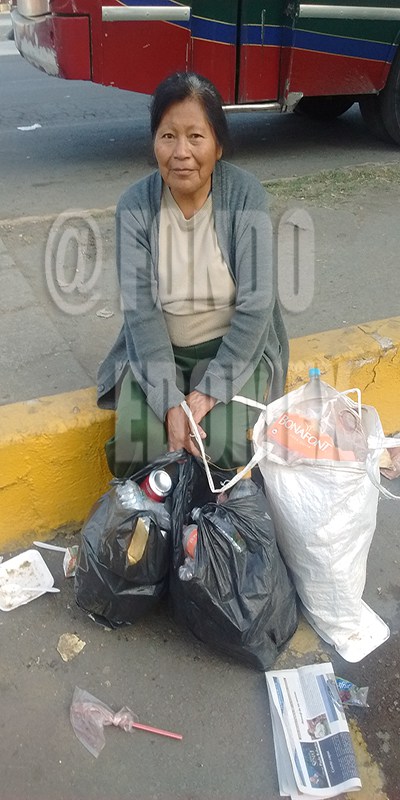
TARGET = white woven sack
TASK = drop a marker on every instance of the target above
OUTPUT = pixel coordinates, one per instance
(325, 518)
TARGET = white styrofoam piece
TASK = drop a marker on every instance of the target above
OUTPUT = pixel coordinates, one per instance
(23, 578)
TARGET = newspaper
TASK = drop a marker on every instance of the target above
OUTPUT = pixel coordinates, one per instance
(313, 748)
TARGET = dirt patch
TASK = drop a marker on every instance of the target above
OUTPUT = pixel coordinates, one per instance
(332, 187)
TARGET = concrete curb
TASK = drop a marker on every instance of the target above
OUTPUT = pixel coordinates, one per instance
(52, 459)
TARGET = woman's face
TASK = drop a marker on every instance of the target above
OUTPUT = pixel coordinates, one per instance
(186, 150)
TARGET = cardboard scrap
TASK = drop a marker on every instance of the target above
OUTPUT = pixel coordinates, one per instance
(69, 645)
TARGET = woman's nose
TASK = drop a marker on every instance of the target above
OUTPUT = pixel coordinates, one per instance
(181, 149)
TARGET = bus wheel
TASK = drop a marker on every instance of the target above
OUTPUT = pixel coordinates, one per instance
(390, 101)
(324, 108)
(371, 112)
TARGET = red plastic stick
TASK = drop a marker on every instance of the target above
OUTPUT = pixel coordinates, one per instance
(156, 730)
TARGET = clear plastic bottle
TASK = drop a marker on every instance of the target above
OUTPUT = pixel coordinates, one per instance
(313, 393)
(336, 419)
(132, 498)
(321, 424)
(130, 495)
(186, 571)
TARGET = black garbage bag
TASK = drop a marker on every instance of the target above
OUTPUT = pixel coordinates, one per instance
(124, 554)
(240, 599)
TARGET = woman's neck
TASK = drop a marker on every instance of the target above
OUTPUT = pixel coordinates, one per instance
(190, 204)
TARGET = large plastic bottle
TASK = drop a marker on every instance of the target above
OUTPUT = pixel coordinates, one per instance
(313, 402)
(314, 383)
(319, 424)
(336, 420)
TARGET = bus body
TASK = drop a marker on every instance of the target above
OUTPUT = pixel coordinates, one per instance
(272, 54)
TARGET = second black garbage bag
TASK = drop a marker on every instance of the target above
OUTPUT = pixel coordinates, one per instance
(237, 597)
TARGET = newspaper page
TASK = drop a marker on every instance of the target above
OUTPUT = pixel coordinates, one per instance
(313, 748)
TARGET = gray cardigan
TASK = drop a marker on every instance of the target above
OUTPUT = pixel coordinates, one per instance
(244, 235)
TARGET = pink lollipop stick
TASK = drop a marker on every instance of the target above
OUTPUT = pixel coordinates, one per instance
(156, 730)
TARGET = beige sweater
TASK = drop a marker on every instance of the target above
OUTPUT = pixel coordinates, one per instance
(196, 290)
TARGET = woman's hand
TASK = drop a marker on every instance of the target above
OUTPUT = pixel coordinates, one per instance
(200, 404)
(178, 431)
(177, 424)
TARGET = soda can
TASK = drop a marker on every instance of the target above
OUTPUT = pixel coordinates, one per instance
(157, 485)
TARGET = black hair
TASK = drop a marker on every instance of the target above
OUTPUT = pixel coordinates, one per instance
(183, 85)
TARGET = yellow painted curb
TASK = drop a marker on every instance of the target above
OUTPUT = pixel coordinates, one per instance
(52, 463)
(53, 466)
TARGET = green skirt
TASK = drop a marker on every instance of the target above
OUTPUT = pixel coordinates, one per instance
(140, 436)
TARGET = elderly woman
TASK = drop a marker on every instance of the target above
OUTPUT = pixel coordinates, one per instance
(201, 320)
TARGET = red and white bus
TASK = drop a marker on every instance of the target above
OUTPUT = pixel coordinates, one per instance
(261, 54)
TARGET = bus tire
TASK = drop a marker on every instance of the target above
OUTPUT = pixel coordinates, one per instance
(371, 112)
(390, 101)
(324, 108)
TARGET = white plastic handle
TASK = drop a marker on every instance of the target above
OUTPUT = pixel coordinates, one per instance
(253, 461)
(358, 393)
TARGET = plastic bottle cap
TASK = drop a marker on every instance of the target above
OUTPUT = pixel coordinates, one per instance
(314, 372)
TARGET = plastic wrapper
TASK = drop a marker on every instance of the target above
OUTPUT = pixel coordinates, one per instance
(352, 695)
(123, 561)
(70, 560)
(240, 600)
(89, 716)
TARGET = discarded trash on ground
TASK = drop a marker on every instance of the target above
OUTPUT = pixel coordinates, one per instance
(70, 556)
(313, 747)
(89, 716)
(29, 127)
(352, 695)
(24, 578)
(49, 546)
(69, 645)
(104, 313)
(70, 560)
